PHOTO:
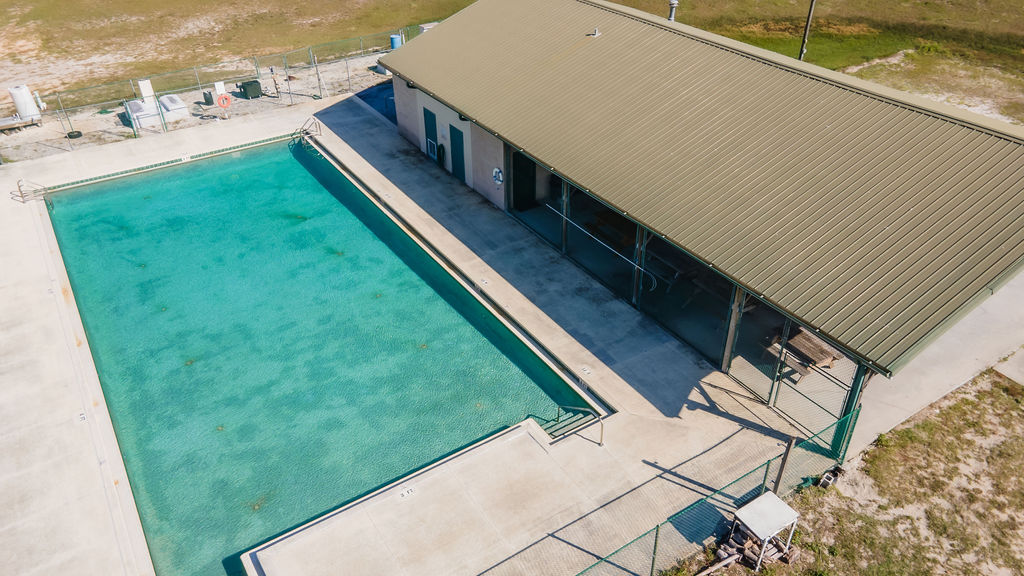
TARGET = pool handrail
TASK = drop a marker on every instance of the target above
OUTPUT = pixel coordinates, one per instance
(591, 411)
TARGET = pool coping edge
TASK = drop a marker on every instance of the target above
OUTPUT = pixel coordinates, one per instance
(125, 518)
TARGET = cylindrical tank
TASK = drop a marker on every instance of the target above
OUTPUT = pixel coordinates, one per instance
(396, 41)
(23, 103)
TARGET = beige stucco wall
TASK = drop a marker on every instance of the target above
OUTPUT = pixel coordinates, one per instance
(446, 117)
(406, 111)
(484, 152)
(488, 153)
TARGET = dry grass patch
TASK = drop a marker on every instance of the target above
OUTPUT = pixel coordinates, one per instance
(941, 494)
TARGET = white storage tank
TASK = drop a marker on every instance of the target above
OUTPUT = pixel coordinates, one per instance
(24, 103)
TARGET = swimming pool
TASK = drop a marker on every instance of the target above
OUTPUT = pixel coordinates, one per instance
(271, 346)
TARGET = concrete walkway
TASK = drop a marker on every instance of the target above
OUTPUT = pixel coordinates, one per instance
(65, 503)
(524, 504)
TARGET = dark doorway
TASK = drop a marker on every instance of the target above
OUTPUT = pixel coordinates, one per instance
(458, 154)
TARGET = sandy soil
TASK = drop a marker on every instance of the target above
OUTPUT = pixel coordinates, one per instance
(105, 124)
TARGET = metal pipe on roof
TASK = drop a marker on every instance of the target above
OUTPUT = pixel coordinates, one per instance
(672, 4)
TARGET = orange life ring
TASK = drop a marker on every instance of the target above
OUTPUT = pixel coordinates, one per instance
(224, 101)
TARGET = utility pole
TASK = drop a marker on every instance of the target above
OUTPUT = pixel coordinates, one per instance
(807, 32)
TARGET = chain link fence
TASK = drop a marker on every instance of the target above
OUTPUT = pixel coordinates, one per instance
(700, 524)
(188, 97)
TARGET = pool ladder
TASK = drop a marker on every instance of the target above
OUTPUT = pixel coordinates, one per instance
(575, 418)
(28, 191)
(312, 127)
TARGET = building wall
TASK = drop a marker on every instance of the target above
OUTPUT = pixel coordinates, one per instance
(484, 152)
(446, 117)
(406, 110)
(488, 154)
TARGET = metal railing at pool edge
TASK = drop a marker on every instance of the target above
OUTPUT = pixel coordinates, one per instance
(28, 191)
(558, 418)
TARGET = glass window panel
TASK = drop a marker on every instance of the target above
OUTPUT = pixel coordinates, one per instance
(686, 296)
(602, 241)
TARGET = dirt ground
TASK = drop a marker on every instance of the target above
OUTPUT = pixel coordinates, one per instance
(109, 123)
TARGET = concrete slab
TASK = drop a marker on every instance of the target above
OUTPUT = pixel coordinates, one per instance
(1013, 366)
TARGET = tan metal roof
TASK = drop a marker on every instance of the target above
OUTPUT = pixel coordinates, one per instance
(861, 211)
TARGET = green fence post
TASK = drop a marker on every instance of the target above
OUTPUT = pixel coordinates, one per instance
(160, 110)
(199, 84)
(843, 432)
(287, 79)
(782, 464)
(256, 63)
(654, 554)
(70, 127)
(851, 425)
(764, 481)
(316, 69)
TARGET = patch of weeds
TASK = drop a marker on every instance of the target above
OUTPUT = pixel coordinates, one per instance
(928, 47)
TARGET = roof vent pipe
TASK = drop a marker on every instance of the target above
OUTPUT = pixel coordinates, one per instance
(672, 10)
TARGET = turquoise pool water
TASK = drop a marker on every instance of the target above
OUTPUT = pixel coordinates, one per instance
(271, 346)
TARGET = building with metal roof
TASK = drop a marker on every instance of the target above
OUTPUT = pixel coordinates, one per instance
(793, 224)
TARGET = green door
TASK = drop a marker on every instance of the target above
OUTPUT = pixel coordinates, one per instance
(430, 127)
(458, 158)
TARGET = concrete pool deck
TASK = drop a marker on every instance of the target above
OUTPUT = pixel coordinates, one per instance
(524, 504)
(682, 429)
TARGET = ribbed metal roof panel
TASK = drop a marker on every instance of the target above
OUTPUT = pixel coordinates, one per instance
(868, 214)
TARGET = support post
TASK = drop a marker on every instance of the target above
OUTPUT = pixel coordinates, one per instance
(638, 263)
(565, 216)
(807, 31)
(844, 426)
(654, 554)
(734, 321)
(782, 464)
(764, 481)
(316, 68)
(60, 103)
(256, 63)
(774, 391)
(160, 110)
(287, 79)
(199, 84)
